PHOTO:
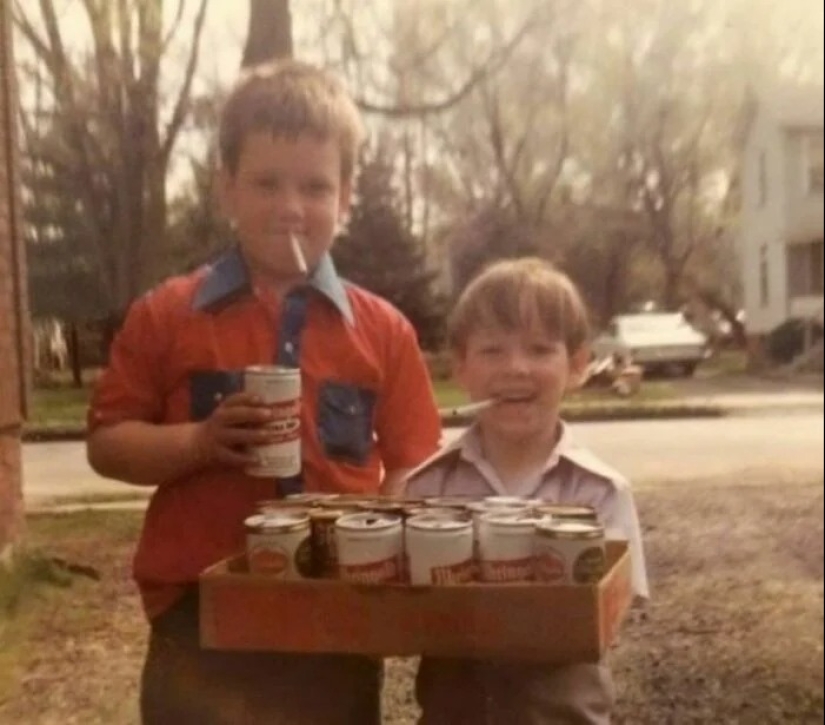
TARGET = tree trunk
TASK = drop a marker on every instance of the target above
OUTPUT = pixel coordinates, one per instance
(270, 32)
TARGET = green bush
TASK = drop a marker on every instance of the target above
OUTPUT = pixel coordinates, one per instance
(787, 340)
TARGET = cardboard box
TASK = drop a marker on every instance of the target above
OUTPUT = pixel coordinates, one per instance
(242, 611)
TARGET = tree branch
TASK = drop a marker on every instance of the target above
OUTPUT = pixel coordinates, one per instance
(38, 44)
(182, 102)
(493, 64)
(173, 29)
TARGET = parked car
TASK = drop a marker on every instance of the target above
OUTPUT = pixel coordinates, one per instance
(655, 341)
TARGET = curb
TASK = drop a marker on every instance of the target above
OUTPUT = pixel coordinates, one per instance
(618, 414)
(574, 414)
(53, 435)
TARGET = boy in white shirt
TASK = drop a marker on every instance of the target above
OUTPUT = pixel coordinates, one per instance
(519, 335)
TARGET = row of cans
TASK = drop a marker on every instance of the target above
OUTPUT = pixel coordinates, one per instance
(429, 541)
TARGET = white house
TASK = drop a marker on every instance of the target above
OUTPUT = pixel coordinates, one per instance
(781, 242)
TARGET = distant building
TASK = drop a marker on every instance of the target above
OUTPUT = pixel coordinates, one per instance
(781, 242)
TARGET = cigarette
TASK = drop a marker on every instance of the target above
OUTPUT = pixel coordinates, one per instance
(298, 253)
(469, 409)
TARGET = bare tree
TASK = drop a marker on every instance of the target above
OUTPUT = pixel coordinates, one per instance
(117, 141)
(672, 107)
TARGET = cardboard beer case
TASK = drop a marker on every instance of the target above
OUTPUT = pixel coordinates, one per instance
(554, 623)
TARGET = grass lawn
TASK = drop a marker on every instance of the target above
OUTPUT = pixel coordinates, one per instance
(71, 633)
(58, 406)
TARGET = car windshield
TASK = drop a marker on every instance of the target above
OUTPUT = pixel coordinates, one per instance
(651, 323)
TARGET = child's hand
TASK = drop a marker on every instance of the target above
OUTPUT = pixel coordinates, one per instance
(236, 424)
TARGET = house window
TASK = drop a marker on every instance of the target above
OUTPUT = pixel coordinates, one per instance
(805, 269)
(814, 165)
(763, 178)
(764, 282)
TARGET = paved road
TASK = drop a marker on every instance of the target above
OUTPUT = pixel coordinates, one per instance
(646, 451)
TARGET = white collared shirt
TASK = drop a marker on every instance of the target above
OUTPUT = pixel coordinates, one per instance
(571, 475)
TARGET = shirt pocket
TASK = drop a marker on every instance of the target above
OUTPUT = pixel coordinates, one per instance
(207, 388)
(345, 427)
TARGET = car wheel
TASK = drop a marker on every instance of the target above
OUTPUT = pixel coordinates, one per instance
(688, 369)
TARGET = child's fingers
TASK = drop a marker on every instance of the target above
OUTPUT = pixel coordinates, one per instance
(243, 400)
(239, 459)
(237, 415)
(238, 437)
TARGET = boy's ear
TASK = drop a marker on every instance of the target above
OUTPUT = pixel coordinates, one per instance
(579, 361)
(344, 200)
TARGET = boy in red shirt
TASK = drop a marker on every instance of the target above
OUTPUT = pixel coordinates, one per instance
(167, 411)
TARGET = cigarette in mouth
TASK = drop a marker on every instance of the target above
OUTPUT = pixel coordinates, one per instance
(298, 253)
(469, 409)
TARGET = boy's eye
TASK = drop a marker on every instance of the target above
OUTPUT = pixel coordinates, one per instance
(544, 348)
(317, 187)
(266, 182)
(490, 350)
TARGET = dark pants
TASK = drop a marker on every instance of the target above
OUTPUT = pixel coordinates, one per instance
(455, 691)
(183, 684)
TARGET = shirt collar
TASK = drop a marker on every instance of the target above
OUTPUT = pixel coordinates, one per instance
(467, 447)
(228, 276)
(470, 447)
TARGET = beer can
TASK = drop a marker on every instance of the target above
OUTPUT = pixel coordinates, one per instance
(393, 507)
(569, 552)
(568, 512)
(280, 389)
(448, 502)
(276, 507)
(324, 544)
(310, 498)
(511, 502)
(477, 509)
(278, 544)
(461, 514)
(439, 549)
(505, 546)
(370, 547)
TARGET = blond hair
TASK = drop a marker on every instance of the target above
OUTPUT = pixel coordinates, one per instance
(518, 294)
(289, 98)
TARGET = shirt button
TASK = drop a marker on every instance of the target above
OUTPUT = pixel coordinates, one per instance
(218, 397)
(289, 347)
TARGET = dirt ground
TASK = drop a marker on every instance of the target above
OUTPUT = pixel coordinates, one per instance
(733, 634)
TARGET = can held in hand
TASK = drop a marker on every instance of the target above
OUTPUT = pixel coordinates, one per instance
(439, 549)
(278, 544)
(280, 389)
(569, 552)
(370, 547)
(505, 547)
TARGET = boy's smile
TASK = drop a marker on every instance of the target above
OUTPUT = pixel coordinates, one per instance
(285, 186)
(527, 372)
